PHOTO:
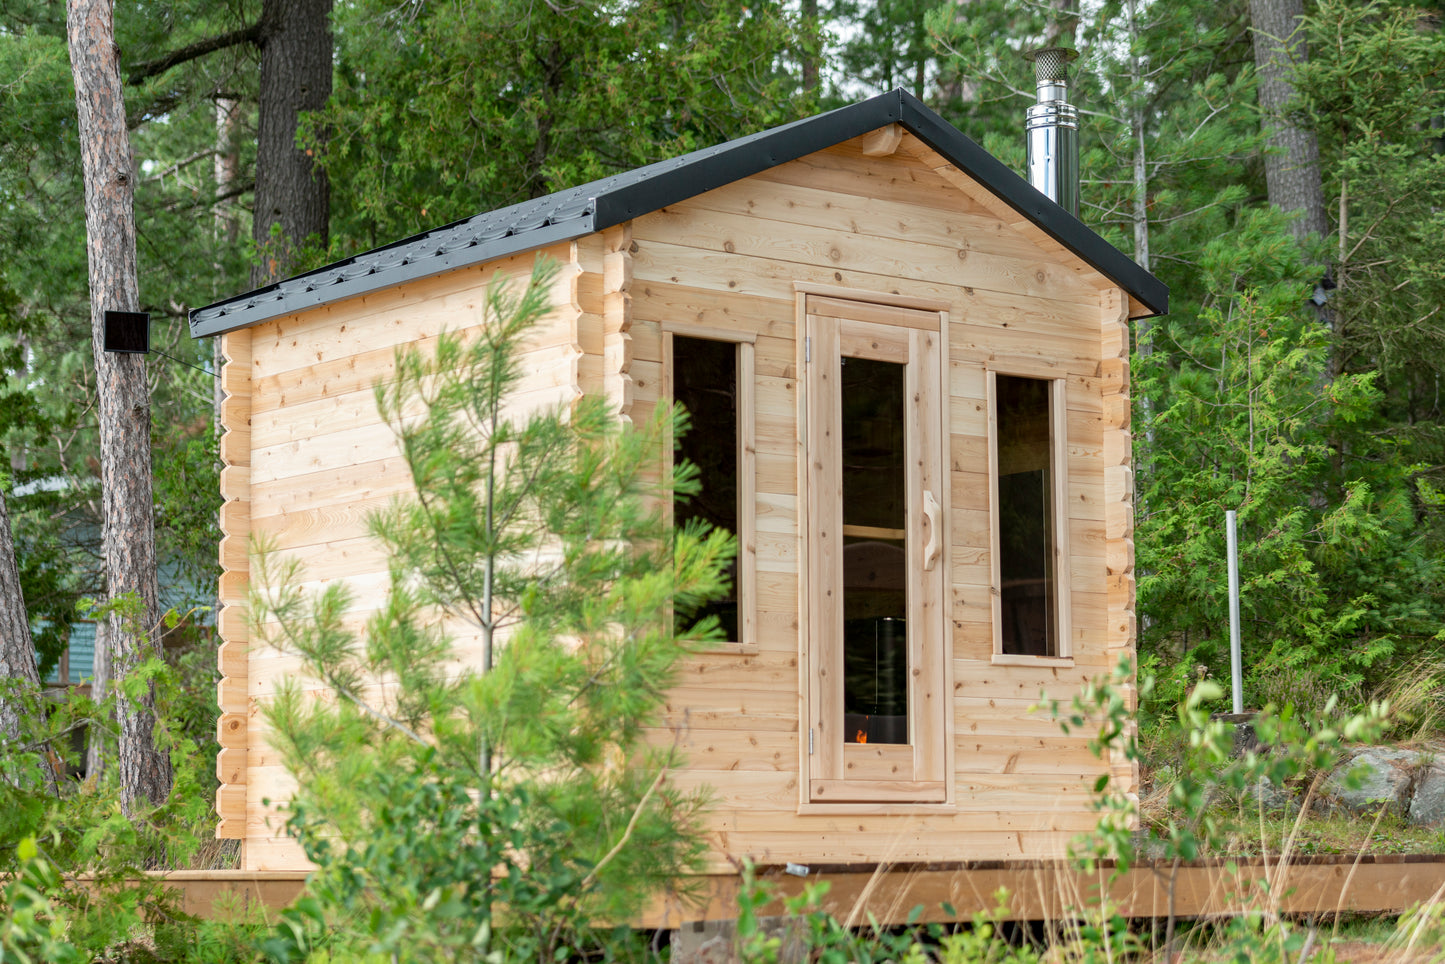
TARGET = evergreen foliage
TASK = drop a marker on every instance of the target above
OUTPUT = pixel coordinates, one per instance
(1374, 89)
(52, 835)
(422, 130)
(517, 802)
(1320, 427)
(1335, 574)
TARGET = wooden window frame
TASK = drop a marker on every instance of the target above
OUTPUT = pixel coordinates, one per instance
(747, 587)
(1059, 455)
(839, 776)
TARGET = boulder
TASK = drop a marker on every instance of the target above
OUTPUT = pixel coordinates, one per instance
(1385, 779)
(1273, 799)
(1427, 806)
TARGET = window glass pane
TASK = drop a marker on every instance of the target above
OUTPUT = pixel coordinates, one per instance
(1025, 516)
(875, 598)
(705, 382)
(873, 445)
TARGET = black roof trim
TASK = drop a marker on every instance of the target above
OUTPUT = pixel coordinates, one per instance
(573, 213)
(1033, 204)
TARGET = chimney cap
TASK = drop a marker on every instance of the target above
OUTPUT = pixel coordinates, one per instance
(1051, 64)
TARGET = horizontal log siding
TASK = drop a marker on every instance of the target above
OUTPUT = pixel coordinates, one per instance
(318, 459)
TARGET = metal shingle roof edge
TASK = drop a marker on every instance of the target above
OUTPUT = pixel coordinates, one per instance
(571, 214)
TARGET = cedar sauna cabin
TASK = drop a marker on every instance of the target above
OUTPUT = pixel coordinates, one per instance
(908, 345)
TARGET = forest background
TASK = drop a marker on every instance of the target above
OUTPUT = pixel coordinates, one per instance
(1280, 167)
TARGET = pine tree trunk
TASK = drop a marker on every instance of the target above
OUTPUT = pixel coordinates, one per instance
(295, 76)
(17, 648)
(1138, 119)
(809, 11)
(1292, 165)
(124, 401)
(228, 225)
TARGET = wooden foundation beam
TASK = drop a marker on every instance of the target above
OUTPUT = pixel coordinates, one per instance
(1043, 890)
(1038, 890)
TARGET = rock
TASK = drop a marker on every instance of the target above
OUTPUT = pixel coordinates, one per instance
(718, 950)
(712, 942)
(1385, 778)
(1273, 799)
(1427, 807)
(1242, 727)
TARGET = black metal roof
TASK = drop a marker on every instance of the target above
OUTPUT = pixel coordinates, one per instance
(570, 214)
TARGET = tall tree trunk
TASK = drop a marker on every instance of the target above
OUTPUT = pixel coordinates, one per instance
(228, 225)
(97, 737)
(1138, 119)
(809, 57)
(1292, 165)
(124, 402)
(291, 191)
(17, 648)
(18, 460)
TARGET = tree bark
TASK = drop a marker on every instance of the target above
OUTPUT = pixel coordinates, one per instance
(228, 225)
(17, 648)
(809, 58)
(1292, 164)
(291, 191)
(124, 401)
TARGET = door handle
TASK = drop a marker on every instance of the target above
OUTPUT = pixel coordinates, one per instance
(930, 512)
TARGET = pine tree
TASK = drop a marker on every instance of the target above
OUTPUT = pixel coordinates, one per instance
(1374, 90)
(125, 411)
(542, 541)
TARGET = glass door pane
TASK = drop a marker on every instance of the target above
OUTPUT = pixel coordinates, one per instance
(875, 593)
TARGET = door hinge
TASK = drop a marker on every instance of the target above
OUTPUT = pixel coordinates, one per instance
(810, 741)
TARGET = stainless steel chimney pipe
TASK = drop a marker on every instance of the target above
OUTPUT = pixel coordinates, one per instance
(1052, 126)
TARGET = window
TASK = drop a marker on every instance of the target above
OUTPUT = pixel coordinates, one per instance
(875, 546)
(1030, 559)
(710, 373)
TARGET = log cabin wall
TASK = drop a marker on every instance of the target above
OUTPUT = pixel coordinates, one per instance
(307, 457)
(893, 223)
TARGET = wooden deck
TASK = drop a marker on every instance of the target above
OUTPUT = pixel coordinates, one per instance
(1039, 890)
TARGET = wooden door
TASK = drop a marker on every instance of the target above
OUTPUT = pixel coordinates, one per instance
(876, 535)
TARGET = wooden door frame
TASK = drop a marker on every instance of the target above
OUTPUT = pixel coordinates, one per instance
(930, 757)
